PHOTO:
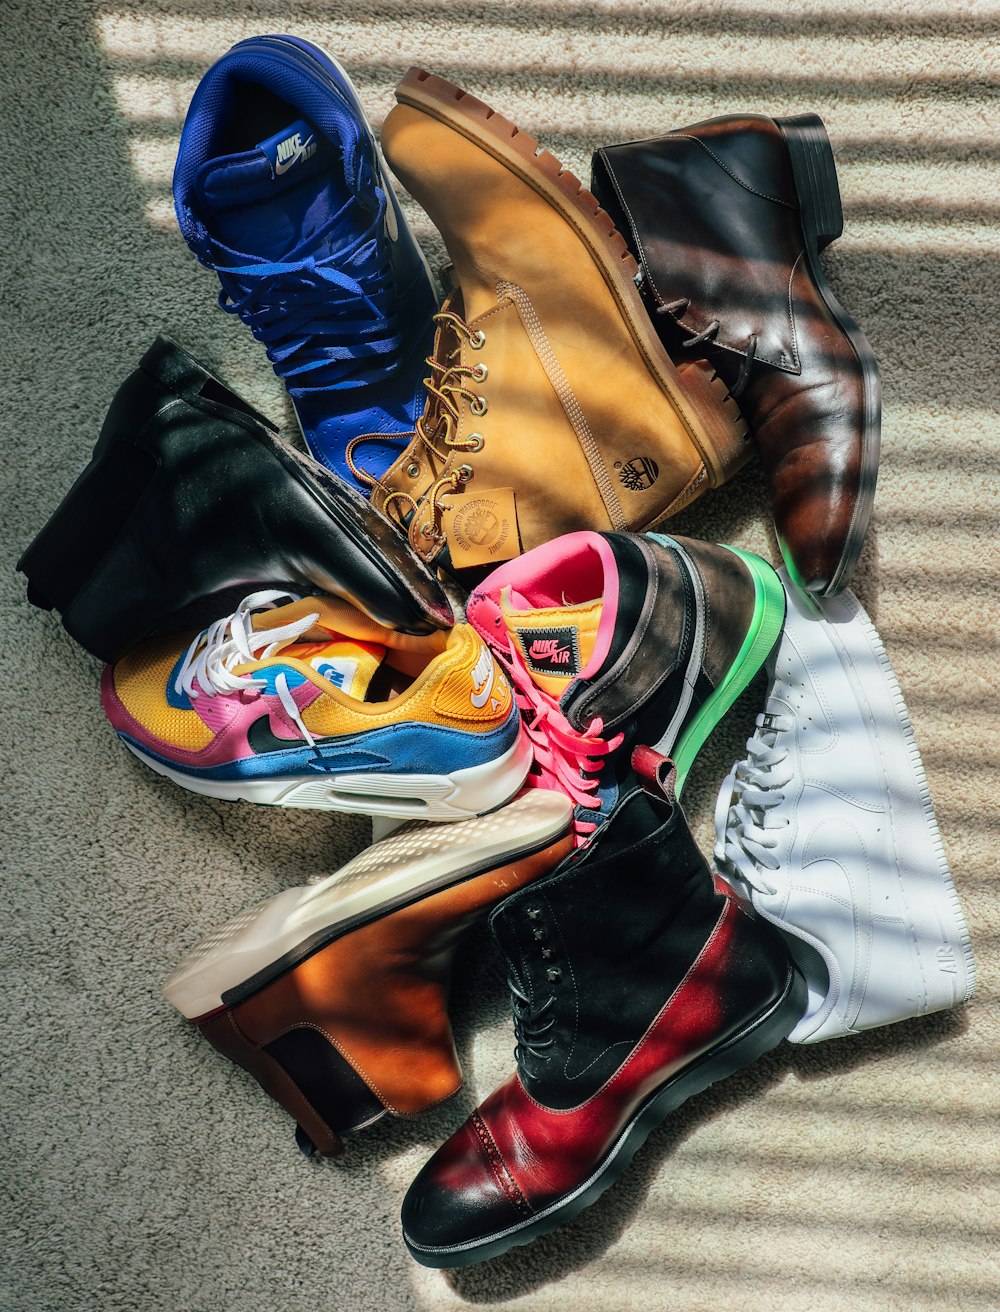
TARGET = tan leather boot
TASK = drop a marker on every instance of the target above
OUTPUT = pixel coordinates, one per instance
(333, 996)
(552, 405)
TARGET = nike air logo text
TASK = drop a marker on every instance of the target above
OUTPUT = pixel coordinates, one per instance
(291, 150)
(546, 650)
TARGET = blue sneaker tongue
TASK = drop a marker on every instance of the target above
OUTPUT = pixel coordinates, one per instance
(269, 200)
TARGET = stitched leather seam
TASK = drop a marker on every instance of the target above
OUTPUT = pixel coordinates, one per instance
(508, 1185)
(284, 1075)
(726, 169)
(728, 908)
(309, 1025)
(567, 399)
(647, 271)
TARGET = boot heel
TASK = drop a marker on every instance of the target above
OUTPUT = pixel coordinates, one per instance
(815, 177)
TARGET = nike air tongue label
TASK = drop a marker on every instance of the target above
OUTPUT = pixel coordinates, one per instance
(551, 651)
(290, 147)
(338, 670)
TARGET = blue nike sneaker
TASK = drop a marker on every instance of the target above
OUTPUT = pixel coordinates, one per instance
(280, 188)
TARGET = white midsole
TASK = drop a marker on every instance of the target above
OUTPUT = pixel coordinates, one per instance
(456, 796)
(409, 864)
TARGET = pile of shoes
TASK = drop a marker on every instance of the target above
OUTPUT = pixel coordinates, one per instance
(448, 615)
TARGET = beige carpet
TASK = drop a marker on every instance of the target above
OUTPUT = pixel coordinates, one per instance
(141, 1171)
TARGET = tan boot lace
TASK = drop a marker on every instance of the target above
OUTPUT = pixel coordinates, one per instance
(447, 387)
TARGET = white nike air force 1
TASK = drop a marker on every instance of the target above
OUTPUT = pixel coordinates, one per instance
(828, 828)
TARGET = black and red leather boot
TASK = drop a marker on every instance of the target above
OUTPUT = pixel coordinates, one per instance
(635, 983)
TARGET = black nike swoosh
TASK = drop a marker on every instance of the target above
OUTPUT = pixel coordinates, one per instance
(263, 739)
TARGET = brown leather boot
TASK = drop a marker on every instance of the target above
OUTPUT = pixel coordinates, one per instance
(552, 404)
(728, 218)
(333, 996)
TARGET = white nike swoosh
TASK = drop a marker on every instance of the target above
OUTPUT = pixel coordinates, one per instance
(480, 696)
(283, 167)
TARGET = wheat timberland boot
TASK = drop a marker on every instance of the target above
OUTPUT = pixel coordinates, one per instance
(552, 404)
(333, 996)
(635, 983)
(728, 218)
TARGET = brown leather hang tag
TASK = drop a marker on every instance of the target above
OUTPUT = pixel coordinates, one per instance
(481, 526)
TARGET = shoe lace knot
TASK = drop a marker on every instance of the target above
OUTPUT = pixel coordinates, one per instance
(747, 829)
(207, 667)
(324, 318)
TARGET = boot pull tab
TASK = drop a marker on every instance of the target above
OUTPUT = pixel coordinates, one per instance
(657, 774)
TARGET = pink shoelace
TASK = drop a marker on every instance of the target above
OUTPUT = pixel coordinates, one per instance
(566, 761)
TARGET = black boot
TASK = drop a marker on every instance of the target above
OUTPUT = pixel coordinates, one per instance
(727, 219)
(189, 493)
(635, 983)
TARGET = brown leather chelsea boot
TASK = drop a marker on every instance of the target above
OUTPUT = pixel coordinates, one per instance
(727, 219)
(333, 996)
(552, 403)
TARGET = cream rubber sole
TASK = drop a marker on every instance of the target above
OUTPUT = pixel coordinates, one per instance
(416, 861)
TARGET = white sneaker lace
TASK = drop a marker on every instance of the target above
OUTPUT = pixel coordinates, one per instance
(208, 664)
(746, 829)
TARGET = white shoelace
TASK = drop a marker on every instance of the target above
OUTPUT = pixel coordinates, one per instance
(746, 831)
(208, 664)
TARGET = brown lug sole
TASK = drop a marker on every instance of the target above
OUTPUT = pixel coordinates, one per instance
(698, 395)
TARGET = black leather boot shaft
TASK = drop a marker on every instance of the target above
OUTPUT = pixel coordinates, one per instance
(189, 493)
(596, 949)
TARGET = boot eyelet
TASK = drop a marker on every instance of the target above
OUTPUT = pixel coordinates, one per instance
(539, 932)
(479, 406)
(413, 470)
(480, 372)
(477, 340)
(546, 954)
(553, 974)
(464, 473)
(428, 531)
(533, 913)
(475, 442)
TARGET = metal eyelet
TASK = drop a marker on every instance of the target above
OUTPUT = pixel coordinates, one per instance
(428, 531)
(475, 442)
(533, 913)
(546, 953)
(477, 340)
(479, 406)
(553, 974)
(464, 473)
(480, 372)
(413, 470)
(539, 932)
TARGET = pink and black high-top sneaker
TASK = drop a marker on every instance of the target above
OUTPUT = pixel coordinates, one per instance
(635, 983)
(613, 640)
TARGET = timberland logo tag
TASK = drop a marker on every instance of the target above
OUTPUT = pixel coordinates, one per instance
(482, 529)
(638, 474)
(551, 651)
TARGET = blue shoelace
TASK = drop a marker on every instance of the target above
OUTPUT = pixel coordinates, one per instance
(324, 321)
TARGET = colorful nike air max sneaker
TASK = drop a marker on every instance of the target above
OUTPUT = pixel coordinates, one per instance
(634, 983)
(333, 996)
(829, 829)
(279, 187)
(312, 704)
(613, 640)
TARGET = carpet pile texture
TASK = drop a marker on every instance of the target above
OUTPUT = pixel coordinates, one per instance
(140, 1170)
